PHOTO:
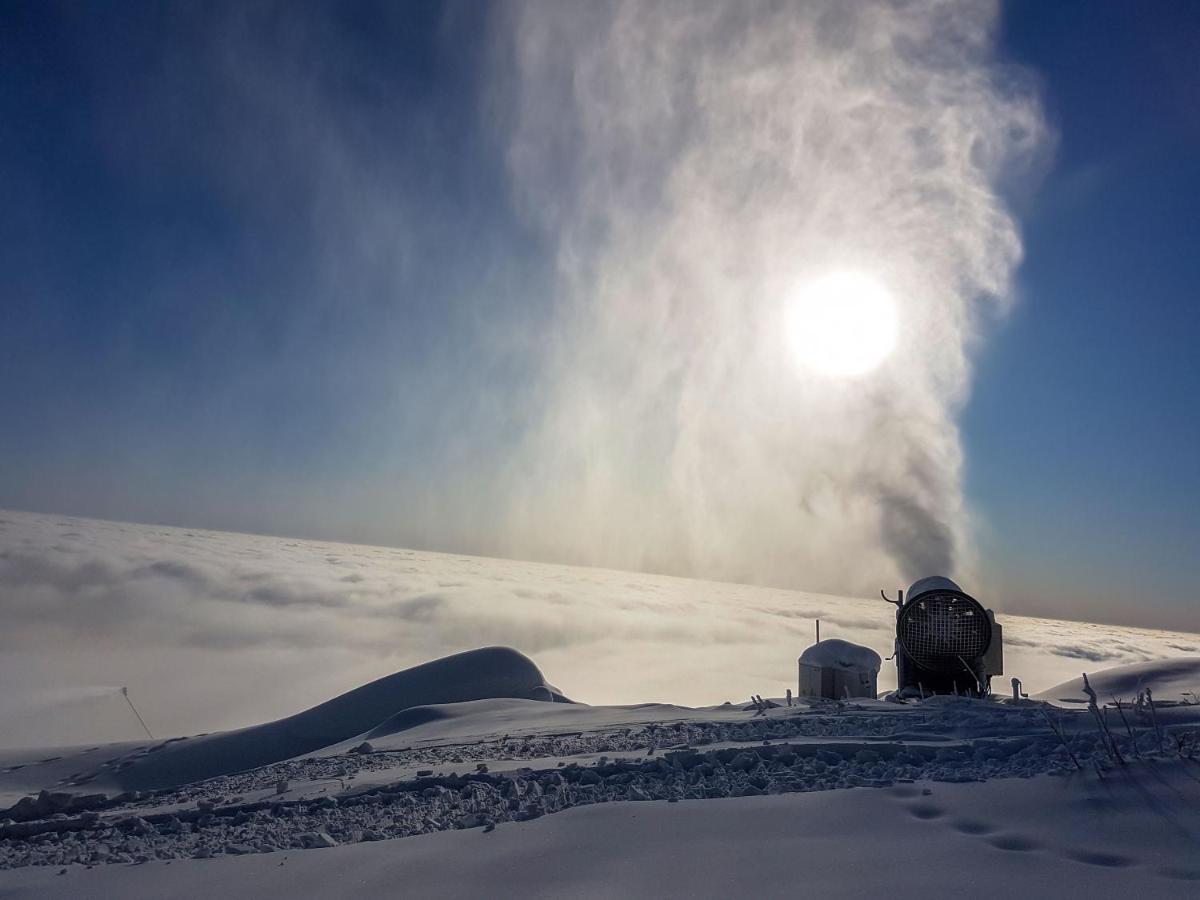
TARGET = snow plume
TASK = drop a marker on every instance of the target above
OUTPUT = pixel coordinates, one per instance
(692, 164)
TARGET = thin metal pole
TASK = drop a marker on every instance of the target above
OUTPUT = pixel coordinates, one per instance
(125, 694)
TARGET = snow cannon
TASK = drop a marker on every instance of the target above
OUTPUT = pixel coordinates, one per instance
(839, 670)
(946, 642)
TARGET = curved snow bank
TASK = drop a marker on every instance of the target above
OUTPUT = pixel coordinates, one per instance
(473, 675)
(1168, 679)
(486, 721)
(406, 719)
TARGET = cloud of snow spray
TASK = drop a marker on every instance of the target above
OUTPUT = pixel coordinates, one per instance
(693, 163)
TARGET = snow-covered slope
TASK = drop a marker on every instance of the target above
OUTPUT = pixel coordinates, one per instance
(1135, 836)
(1169, 680)
(520, 797)
(473, 675)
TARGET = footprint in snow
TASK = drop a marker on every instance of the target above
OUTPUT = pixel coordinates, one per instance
(926, 811)
(972, 826)
(1016, 842)
(1099, 858)
(1179, 873)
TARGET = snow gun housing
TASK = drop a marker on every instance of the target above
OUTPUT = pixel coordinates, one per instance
(946, 642)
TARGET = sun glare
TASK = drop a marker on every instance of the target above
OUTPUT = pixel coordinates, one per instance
(843, 324)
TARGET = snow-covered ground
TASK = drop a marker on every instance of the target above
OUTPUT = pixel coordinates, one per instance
(462, 777)
(1101, 811)
(1038, 838)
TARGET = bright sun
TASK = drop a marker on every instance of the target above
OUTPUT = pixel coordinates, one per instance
(842, 324)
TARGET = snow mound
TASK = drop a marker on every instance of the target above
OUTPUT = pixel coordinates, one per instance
(406, 719)
(1168, 679)
(836, 653)
(474, 675)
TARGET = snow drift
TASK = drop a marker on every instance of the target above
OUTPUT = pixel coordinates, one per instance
(473, 675)
(1170, 680)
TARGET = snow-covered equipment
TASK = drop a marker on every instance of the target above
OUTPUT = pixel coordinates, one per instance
(836, 669)
(946, 642)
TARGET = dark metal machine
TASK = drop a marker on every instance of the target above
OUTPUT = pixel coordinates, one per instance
(946, 642)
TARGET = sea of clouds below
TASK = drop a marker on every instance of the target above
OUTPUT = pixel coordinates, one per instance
(213, 630)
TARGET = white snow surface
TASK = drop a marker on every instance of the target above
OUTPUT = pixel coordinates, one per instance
(839, 654)
(517, 797)
(189, 618)
(1170, 681)
(1037, 838)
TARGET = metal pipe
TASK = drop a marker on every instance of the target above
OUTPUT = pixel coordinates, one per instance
(125, 694)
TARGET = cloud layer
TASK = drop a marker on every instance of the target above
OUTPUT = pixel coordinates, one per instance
(212, 630)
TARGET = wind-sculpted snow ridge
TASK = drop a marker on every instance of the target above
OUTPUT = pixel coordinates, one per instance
(1171, 681)
(456, 771)
(474, 675)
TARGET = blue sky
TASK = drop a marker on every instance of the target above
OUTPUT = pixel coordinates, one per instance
(1082, 433)
(188, 319)
(266, 272)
